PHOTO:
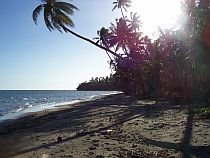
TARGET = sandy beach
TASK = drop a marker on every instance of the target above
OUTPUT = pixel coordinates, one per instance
(113, 126)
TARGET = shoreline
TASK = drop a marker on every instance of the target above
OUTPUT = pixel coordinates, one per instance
(113, 126)
(49, 106)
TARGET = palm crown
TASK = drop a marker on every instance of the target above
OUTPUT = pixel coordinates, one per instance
(122, 4)
(55, 14)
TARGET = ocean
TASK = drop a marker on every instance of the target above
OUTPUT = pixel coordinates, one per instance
(15, 103)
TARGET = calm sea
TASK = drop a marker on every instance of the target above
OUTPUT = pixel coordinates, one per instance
(14, 103)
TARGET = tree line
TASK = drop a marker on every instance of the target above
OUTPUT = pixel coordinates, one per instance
(108, 83)
(176, 64)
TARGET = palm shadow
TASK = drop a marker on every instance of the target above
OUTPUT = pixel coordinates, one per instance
(187, 150)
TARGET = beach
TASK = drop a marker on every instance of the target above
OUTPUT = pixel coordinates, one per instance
(113, 126)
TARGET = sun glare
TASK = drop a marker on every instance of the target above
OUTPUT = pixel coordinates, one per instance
(154, 13)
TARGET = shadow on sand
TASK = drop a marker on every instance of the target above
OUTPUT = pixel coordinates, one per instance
(78, 116)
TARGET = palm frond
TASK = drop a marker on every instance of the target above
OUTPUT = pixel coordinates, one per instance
(47, 17)
(114, 7)
(66, 7)
(55, 14)
(122, 4)
(63, 18)
(56, 22)
(96, 38)
(36, 12)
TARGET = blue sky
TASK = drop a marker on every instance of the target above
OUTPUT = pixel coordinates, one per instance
(31, 57)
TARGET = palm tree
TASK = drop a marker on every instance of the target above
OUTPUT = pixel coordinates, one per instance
(121, 32)
(122, 5)
(103, 39)
(56, 16)
(135, 22)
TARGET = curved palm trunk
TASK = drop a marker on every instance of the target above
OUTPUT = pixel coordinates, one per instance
(92, 42)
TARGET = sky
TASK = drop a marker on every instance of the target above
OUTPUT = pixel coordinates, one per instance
(32, 57)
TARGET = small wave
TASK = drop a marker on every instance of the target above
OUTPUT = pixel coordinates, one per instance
(113, 92)
(29, 106)
(27, 103)
(68, 103)
(25, 98)
(93, 96)
(19, 109)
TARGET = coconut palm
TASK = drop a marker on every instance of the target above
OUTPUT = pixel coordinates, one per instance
(135, 21)
(56, 16)
(103, 39)
(121, 32)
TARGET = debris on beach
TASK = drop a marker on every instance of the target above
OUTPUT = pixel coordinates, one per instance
(59, 139)
(80, 133)
(108, 131)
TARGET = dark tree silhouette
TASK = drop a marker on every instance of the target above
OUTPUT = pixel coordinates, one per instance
(175, 64)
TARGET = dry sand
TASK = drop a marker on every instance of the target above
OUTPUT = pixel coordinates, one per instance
(114, 126)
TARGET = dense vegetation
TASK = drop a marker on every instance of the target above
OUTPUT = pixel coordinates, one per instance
(100, 84)
(176, 64)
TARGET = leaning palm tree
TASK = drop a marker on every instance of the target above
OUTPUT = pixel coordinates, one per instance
(56, 16)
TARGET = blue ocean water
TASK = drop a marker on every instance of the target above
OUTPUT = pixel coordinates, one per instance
(14, 103)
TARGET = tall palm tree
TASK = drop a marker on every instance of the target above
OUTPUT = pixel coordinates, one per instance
(56, 16)
(121, 32)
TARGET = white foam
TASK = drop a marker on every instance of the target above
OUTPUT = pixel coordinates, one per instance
(19, 109)
(27, 103)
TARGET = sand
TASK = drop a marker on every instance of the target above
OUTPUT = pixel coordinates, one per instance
(114, 126)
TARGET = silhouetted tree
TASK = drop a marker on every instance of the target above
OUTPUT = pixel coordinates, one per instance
(56, 16)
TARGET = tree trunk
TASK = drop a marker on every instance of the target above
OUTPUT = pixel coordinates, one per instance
(92, 42)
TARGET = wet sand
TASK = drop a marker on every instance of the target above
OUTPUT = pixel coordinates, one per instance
(113, 126)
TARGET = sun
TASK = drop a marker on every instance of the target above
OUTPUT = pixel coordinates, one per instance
(154, 13)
